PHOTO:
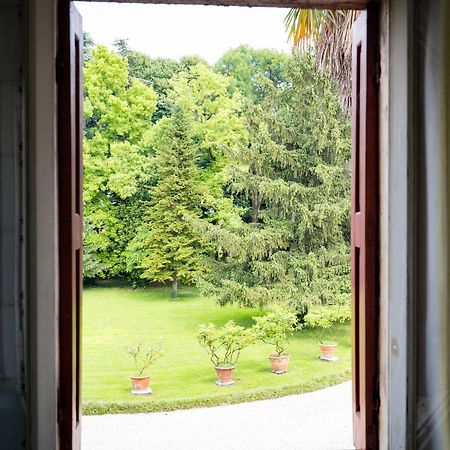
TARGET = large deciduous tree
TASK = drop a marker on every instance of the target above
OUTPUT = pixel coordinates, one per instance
(117, 113)
(245, 65)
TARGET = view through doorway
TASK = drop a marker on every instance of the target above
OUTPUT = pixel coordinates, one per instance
(230, 180)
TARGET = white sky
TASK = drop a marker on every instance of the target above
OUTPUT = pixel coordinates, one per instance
(172, 31)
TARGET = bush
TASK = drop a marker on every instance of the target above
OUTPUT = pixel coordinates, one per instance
(225, 344)
(322, 319)
(143, 356)
(275, 327)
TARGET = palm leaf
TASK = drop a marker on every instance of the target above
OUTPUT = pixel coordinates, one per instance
(329, 34)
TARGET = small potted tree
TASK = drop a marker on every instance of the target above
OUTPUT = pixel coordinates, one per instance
(224, 346)
(274, 328)
(323, 320)
(143, 357)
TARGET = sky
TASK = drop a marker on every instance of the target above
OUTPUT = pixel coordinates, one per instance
(173, 31)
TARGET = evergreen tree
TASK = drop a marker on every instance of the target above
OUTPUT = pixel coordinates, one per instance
(292, 244)
(217, 127)
(166, 247)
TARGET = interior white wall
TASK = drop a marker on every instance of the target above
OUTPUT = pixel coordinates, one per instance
(42, 194)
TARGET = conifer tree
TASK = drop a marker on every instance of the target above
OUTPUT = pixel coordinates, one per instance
(292, 244)
(166, 247)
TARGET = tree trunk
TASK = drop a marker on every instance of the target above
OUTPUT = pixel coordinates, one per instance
(174, 286)
(256, 205)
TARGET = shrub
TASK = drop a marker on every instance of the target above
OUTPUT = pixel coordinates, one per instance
(224, 344)
(322, 319)
(143, 356)
(275, 327)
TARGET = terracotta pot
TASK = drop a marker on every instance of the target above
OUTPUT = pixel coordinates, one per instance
(140, 385)
(328, 352)
(279, 363)
(225, 376)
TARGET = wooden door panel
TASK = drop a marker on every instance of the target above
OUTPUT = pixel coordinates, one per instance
(364, 236)
(69, 72)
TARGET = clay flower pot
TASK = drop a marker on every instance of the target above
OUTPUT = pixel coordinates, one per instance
(225, 376)
(140, 385)
(328, 352)
(279, 363)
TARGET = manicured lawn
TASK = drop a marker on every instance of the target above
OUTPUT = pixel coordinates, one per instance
(184, 377)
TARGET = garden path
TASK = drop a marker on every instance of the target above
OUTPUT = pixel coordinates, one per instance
(319, 420)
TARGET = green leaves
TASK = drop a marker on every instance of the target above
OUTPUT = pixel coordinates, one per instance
(165, 246)
(274, 327)
(322, 319)
(236, 180)
(289, 178)
(224, 345)
(117, 116)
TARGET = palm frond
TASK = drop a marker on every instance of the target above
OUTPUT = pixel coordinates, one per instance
(329, 35)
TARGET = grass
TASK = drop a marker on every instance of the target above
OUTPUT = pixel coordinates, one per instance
(184, 377)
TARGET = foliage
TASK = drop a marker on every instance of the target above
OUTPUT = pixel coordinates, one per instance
(290, 176)
(143, 356)
(323, 320)
(329, 34)
(165, 246)
(216, 127)
(117, 114)
(246, 66)
(274, 327)
(224, 344)
(249, 165)
(88, 45)
(154, 72)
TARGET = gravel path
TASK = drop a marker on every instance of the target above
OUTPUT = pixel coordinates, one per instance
(318, 420)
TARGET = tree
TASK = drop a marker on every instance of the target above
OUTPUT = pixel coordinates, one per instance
(329, 34)
(165, 246)
(292, 244)
(246, 65)
(154, 72)
(88, 45)
(215, 111)
(117, 114)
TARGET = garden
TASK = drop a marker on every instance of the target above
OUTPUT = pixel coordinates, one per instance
(217, 196)
(184, 376)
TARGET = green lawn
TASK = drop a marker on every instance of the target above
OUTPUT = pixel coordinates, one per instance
(184, 377)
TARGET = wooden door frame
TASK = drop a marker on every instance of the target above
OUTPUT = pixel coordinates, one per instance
(62, 28)
(365, 230)
(69, 64)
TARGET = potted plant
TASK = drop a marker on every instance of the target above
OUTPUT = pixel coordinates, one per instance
(274, 328)
(143, 357)
(224, 346)
(323, 320)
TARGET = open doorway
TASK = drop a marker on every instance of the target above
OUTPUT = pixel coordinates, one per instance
(261, 208)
